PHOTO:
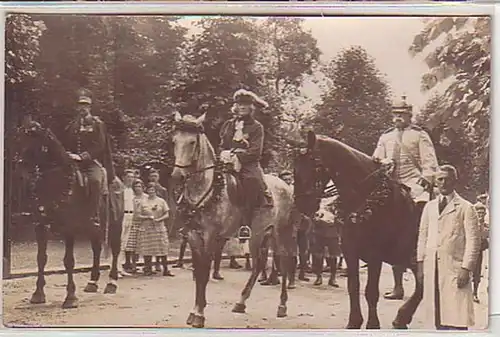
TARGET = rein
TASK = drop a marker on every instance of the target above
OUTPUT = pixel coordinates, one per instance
(191, 211)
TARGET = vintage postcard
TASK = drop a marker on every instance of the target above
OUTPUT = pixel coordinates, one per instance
(247, 172)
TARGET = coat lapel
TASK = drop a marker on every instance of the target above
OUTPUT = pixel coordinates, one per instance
(450, 207)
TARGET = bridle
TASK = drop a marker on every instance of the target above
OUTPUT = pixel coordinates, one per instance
(188, 127)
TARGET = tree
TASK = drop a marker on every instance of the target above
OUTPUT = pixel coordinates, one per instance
(356, 107)
(288, 55)
(462, 57)
(218, 62)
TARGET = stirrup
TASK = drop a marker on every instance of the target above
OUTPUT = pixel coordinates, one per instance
(244, 233)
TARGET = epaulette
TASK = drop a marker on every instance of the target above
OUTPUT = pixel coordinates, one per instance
(388, 130)
(416, 127)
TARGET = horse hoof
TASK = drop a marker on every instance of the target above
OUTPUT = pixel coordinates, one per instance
(373, 326)
(281, 311)
(198, 322)
(353, 326)
(399, 326)
(110, 288)
(190, 319)
(291, 286)
(91, 288)
(239, 308)
(70, 303)
(37, 298)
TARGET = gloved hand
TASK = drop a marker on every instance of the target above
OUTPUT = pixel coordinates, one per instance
(225, 156)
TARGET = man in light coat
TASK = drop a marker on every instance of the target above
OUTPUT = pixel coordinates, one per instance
(447, 251)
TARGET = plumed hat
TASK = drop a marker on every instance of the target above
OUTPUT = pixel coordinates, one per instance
(245, 96)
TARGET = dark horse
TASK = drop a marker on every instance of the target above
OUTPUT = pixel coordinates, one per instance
(380, 224)
(62, 207)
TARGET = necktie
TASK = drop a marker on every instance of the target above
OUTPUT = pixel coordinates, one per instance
(442, 204)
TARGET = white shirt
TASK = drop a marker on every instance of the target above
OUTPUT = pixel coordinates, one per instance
(128, 199)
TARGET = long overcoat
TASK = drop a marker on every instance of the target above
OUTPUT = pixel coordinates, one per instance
(453, 238)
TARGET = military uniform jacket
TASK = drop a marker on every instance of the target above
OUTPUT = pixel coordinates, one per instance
(89, 139)
(414, 156)
(252, 142)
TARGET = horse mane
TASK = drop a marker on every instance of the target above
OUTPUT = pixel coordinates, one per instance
(356, 161)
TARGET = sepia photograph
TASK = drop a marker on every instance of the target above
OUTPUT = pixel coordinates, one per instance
(247, 172)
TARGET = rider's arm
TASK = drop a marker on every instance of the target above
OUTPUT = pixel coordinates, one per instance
(428, 159)
(256, 143)
(379, 152)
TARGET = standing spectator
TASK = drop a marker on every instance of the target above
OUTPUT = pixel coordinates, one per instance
(130, 244)
(152, 237)
(447, 251)
(154, 177)
(128, 210)
(326, 229)
(484, 228)
(484, 199)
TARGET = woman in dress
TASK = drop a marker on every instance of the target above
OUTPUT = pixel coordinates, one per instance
(152, 239)
(130, 248)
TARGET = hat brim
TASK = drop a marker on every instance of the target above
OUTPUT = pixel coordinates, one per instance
(84, 101)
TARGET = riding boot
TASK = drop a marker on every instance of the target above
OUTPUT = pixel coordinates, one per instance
(180, 262)
(318, 269)
(233, 264)
(148, 265)
(333, 271)
(164, 263)
(398, 292)
(302, 271)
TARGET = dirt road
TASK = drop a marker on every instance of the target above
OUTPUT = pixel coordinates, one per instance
(159, 301)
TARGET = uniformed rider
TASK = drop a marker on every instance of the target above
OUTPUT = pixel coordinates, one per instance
(86, 141)
(242, 141)
(407, 152)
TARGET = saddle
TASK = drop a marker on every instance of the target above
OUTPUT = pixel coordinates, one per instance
(83, 182)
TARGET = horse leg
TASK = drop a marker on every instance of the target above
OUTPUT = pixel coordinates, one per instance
(258, 252)
(115, 242)
(372, 293)
(263, 276)
(71, 300)
(285, 264)
(408, 309)
(41, 259)
(180, 262)
(355, 317)
(217, 259)
(95, 241)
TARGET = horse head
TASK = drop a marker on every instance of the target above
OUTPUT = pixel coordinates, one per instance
(42, 154)
(39, 146)
(188, 140)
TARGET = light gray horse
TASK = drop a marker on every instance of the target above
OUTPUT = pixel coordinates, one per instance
(211, 198)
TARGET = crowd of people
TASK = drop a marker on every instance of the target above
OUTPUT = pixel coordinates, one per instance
(453, 232)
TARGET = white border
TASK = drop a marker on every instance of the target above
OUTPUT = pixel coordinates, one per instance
(414, 8)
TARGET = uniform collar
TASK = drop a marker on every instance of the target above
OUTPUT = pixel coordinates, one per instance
(248, 119)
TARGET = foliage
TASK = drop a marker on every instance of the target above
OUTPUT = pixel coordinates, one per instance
(457, 49)
(356, 107)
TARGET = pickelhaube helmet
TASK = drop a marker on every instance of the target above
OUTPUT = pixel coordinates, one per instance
(401, 106)
(84, 96)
